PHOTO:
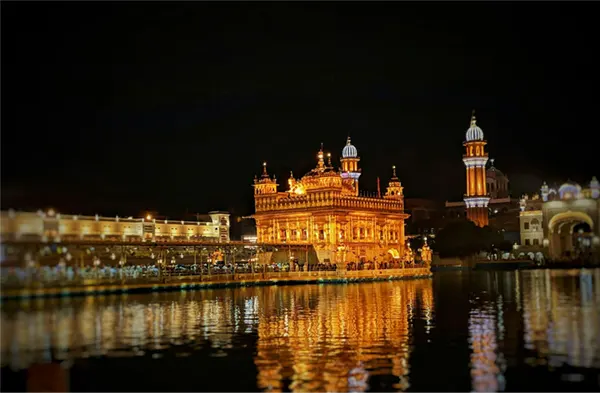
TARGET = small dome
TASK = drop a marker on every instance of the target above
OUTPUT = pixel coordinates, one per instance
(349, 151)
(569, 189)
(474, 133)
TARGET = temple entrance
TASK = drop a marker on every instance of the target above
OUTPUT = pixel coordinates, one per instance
(570, 236)
(582, 240)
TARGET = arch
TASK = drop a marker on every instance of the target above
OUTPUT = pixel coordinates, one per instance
(569, 216)
(394, 253)
(583, 226)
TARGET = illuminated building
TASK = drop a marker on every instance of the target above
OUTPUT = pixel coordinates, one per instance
(487, 199)
(475, 158)
(500, 204)
(497, 183)
(52, 226)
(476, 198)
(548, 219)
(325, 208)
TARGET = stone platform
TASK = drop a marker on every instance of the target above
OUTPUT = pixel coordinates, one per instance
(105, 287)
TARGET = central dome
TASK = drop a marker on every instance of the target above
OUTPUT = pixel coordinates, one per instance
(349, 151)
(474, 133)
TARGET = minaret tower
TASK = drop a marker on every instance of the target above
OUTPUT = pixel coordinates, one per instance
(475, 159)
(350, 171)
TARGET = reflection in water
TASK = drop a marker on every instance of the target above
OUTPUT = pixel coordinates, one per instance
(486, 372)
(36, 331)
(521, 326)
(560, 312)
(310, 338)
(352, 329)
(562, 317)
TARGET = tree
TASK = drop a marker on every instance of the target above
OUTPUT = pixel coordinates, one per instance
(457, 239)
(463, 238)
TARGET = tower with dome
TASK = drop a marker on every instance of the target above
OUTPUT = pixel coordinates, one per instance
(325, 208)
(475, 158)
(350, 171)
(487, 199)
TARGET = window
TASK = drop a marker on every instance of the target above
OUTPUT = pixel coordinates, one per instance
(526, 225)
(527, 242)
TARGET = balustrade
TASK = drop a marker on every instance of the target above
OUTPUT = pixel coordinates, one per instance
(38, 278)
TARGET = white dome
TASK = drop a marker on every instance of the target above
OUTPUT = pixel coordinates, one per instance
(474, 133)
(349, 151)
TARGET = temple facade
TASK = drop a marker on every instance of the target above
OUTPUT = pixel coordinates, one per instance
(325, 209)
(562, 221)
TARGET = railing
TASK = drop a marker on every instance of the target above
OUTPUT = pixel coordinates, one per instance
(36, 279)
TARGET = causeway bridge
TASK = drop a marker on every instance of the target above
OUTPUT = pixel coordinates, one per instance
(89, 252)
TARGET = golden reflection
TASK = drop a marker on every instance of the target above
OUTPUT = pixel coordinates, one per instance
(562, 316)
(314, 338)
(353, 332)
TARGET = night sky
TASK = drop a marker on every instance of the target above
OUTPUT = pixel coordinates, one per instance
(120, 108)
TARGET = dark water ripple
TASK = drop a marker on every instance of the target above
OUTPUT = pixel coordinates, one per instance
(478, 331)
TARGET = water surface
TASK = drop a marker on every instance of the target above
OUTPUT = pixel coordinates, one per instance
(479, 331)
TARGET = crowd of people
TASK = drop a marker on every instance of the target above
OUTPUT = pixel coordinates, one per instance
(62, 273)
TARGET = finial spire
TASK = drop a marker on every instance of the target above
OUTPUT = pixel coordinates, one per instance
(473, 119)
(321, 162)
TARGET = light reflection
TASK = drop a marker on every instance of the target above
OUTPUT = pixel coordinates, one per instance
(486, 360)
(310, 338)
(111, 325)
(562, 317)
(357, 327)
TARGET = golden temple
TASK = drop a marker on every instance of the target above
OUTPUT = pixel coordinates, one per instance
(325, 209)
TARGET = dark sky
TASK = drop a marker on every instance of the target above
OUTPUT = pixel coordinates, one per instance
(117, 107)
